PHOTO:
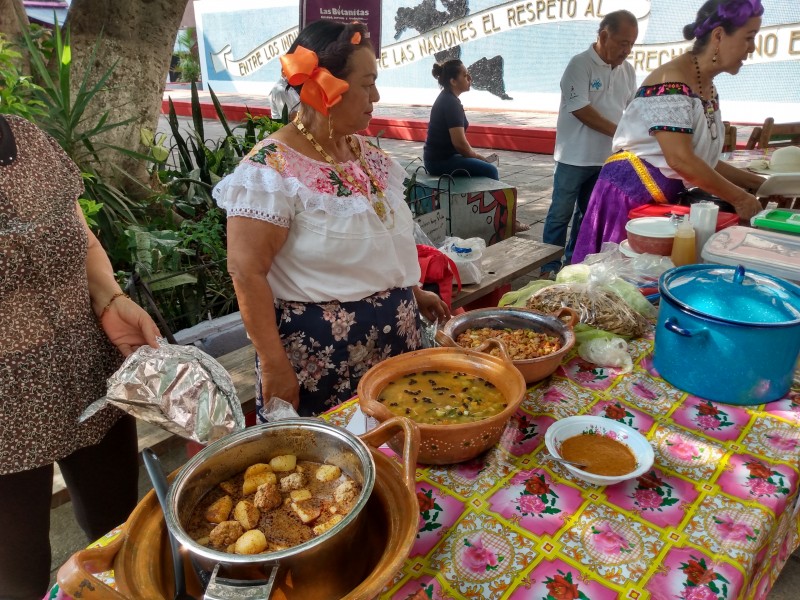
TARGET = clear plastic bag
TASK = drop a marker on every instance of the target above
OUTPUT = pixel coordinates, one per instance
(607, 352)
(467, 255)
(597, 306)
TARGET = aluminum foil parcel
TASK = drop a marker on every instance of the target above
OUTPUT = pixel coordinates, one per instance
(179, 388)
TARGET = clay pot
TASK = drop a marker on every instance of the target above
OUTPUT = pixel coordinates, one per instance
(532, 369)
(448, 444)
(140, 556)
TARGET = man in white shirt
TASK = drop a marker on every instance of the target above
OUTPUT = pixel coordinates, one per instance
(595, 88)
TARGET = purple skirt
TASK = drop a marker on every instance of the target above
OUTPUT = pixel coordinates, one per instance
(619, 189)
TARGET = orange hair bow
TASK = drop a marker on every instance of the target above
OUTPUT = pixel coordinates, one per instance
(320, 90)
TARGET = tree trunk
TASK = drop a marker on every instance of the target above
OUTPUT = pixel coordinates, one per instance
(12, 20)
(11, 13)
(140, 34)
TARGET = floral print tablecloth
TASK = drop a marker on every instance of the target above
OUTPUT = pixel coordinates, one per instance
(715, 518)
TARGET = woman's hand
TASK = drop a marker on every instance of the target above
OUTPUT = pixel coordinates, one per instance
(128, 326)
(280, 380)
(747, 207)
(431, 306)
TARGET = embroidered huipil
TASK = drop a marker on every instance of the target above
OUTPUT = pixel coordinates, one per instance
(668, 107)
(337, 248)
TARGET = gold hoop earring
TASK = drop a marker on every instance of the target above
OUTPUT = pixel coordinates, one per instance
(330, 127)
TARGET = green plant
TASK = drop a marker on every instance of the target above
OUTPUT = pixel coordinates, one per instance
(90, 208)
(188, 67)
(18, 92)
(68, 119)
(202, 163)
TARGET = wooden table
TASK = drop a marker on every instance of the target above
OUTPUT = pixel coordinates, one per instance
(505, 261)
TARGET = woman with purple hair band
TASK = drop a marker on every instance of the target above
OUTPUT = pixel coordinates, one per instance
(670, 135)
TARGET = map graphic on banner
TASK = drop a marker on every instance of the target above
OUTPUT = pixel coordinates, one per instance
(515, 50)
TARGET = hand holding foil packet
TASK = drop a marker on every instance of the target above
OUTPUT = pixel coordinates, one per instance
(179, 388)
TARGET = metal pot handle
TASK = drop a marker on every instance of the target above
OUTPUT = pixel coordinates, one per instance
(671, 324)
(566, 311)
(234, 589)
(389, 428)
(75, 579)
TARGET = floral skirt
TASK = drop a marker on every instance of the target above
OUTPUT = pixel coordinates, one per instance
(332, 344)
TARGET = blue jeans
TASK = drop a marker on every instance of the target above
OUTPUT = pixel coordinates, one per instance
(572, 187)
(473, 166)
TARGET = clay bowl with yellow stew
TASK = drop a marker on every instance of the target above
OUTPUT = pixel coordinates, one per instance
(461, 400)
(610, 451)
(535, 341)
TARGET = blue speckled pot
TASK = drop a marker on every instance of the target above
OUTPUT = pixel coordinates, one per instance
(727, 335)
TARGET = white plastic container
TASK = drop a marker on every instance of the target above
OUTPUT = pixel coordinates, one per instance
(762, 250)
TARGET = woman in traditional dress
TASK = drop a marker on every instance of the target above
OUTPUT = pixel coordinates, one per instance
(671, 134)
(320, 239)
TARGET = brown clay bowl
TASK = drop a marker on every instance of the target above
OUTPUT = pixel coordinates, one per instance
(140, 556)
(532, 369)
(448, 444)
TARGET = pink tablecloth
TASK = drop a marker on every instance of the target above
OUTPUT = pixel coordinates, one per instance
(715, 519)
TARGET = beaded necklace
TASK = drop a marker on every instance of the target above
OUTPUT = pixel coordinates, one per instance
(382, 209)
(708, 105)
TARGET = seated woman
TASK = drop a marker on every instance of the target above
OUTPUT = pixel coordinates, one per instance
(446, 148)
(320, 241)
(670, 136)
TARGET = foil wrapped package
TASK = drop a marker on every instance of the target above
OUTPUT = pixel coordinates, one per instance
(179, 388)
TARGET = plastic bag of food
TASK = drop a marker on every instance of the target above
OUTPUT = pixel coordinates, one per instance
(607, 352)
(179, 388)
(597, 306)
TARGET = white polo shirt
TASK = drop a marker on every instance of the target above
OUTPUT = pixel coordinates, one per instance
(589, 80)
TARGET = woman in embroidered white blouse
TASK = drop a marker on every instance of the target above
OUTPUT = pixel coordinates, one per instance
(670, 135)
(320, 240)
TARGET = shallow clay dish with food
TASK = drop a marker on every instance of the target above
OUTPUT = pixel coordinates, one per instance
(600, 427)
(559, 325)
(447, 444)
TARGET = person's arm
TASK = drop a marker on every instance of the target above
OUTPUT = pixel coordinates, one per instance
(431, 306)
(126, 324)
(680, 156)
(252, 246)
(459, 138)
(589, 116)
(744, 179)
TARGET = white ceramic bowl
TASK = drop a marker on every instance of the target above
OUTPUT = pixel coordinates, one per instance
(572, 426)
(651, 235)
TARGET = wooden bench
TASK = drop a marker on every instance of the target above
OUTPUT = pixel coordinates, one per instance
(240, 365)
(505, 261)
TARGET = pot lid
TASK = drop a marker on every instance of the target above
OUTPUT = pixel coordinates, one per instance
(732, 294)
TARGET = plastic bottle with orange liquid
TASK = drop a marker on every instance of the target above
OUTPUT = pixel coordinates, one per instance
(683, 248)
